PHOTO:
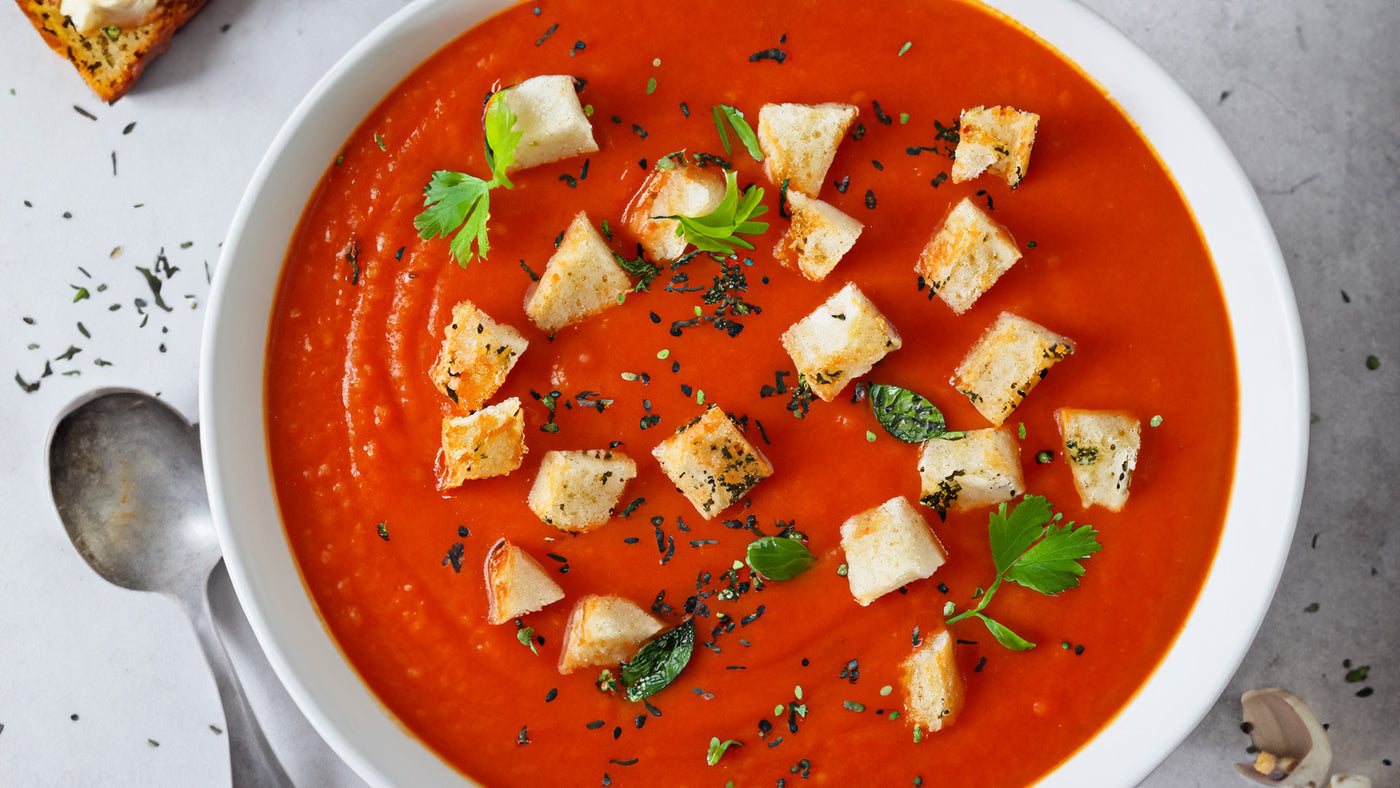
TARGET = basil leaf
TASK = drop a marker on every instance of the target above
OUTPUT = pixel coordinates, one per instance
(907, 415)
(1005, 636)
(659, 662)
(779, 558)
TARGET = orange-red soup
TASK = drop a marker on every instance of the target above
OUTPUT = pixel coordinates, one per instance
(1112, 260)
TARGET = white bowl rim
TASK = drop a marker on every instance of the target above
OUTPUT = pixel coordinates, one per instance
(1271, 368)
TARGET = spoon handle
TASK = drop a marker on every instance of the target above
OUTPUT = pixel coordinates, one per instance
(251, 760)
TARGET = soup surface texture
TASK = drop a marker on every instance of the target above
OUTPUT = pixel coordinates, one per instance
(795, 671)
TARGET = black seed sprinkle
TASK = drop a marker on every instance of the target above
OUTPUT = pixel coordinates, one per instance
(870, 199)
(773, 54)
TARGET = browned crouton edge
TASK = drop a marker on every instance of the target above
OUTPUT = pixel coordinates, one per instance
(110, 66)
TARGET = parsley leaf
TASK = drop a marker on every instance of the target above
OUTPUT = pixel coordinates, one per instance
(1029, 549)
(742, 129)
(1052, 564)
(454, 200)
(717, 231)
(659, 662)
(502, 138)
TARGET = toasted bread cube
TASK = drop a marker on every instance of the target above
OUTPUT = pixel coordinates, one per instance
(888, 547)
(550, 120)
(490, 442)
(996, 140)
(967, 255)
(799, 142)
(581, 279)
(1011, 356)
(839, 341)
(576, 491)
(516, 584)
(110, 67)
(711, 462)
(477, 354)
(818, 237)
(1102, 449)
(933, 686)
(674, 188)
(604, 630)
(980, 468)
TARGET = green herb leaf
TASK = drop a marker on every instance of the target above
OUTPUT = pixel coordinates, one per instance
(779, 558)
(907, 415)
(502, 138)
(526, 636)
(1028, 548)
(640, 267)
(453, 200)
(724, 113)
(718, 231)
(718, 747)
(659, 662)
(1004, 635)
(1052, 564)
(1012, 535)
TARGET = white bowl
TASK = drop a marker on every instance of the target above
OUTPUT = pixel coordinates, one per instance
(1269, 463)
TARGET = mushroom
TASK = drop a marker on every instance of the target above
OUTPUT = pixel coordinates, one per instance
(1294, 751)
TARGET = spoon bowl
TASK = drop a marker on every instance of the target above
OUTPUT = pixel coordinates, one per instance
(128, 483)
(126, 477)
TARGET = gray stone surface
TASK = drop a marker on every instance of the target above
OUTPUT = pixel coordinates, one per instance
(1307, 95)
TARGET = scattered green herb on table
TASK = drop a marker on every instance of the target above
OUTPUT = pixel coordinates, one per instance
(454, 200)
(1029, 548)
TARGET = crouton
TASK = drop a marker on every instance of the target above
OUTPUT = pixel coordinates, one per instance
(979, 468)
(674, 188)
(888, 547)
(996, 140)
(1012, 356)
(550, 120)
(818, 237)
(799, 142)
(516, 584)
(839, 341)
(711, 462)
(490, 442)
(967, 255)
(477, 354)
(933, 686)
(581, 279)
(109, 54)
(604, 630)
(1102, 449)
(576, 491)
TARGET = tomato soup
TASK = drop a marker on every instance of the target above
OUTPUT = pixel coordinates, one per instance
(801, 676)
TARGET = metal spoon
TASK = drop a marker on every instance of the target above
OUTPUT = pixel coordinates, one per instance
(126, 477)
